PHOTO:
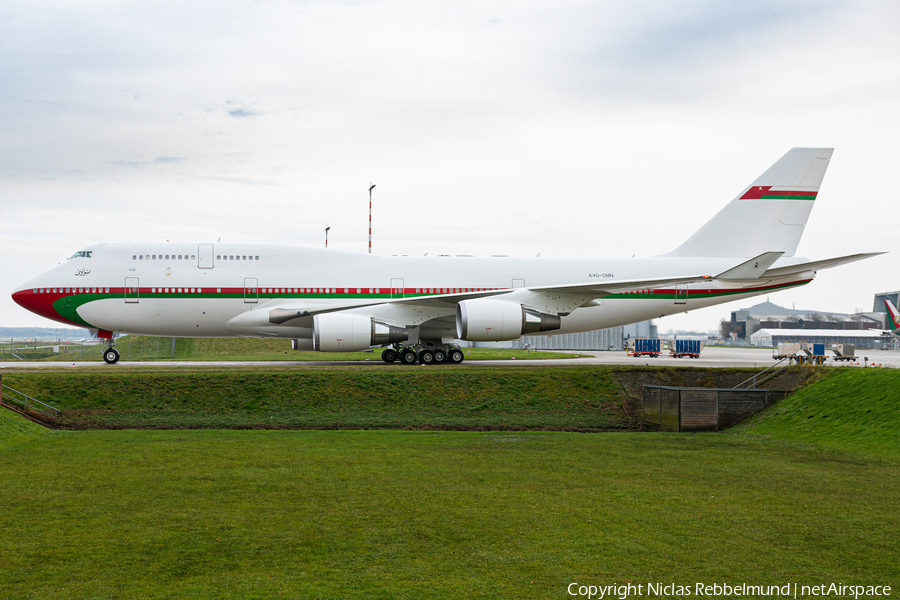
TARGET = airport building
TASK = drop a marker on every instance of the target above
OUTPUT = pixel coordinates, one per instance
(613, 338)
(894, 297)
(861, 338)
(745, 322)
(602, 339)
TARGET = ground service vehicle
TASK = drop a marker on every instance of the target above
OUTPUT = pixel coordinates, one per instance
(644, 347)
(688, 348)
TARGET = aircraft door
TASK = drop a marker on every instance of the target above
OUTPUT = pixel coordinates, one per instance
(251, 290)
(205, 256)
(397, 290)
(681, 294)
(132, 290)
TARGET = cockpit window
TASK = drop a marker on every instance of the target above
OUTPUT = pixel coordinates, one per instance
(82, 254)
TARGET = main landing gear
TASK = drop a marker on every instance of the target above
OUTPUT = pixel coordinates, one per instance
(424, 353)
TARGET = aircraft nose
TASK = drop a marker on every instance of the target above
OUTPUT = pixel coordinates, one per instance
(40, 301)
(27, 298)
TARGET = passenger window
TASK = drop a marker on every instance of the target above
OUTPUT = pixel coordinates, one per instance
(218, 257)
(142, 257)
(257, 258)
(134, 257)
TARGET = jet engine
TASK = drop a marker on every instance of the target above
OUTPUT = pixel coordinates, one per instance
(342, 332)
(487, 320)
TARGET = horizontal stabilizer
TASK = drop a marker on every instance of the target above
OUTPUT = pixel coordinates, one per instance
(753, 268)
(817, 265)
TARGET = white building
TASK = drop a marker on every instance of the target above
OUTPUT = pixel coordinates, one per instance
(861, 338)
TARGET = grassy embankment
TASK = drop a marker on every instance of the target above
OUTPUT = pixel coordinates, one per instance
(356, 397)
(388, 397)
(143, 348)
(852, 410)
(363, 514)
(15, 429)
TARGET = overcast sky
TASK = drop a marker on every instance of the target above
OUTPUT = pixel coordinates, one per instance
(567, 128)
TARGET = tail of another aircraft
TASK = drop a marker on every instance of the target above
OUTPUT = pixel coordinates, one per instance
(767, 216)
(893, 318)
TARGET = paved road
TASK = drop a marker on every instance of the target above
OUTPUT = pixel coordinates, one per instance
(711, 357)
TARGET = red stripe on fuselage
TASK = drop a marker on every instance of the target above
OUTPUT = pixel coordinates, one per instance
(42, 304)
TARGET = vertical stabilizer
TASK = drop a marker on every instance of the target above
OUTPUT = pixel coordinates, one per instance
(769, 215)
(893, 319)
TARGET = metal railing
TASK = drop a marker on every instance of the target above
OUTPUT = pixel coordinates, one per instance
(758, 378)
(26, 402)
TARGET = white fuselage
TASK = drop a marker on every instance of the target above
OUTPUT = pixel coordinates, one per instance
(222, 290)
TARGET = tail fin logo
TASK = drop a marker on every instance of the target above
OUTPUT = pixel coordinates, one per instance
(765, 192)
(893, 319)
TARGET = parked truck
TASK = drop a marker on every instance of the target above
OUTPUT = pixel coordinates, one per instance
(812, 354)
(644, 347)
(689, 348)
(787, 350)
(844, 351)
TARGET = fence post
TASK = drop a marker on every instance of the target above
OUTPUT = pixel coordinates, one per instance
(1, 389)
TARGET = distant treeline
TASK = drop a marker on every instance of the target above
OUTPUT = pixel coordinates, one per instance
(44, 333)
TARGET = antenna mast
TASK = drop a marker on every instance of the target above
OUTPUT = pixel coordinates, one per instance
(371, 187)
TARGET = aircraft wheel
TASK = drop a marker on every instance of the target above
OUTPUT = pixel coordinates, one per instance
(111, 356)
(456, 356)
(426, 357)
(440, 356)
(389, 355)
(408, 357)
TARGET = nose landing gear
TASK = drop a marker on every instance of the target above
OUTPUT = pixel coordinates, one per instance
(111, 355)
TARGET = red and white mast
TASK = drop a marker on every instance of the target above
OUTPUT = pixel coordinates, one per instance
(371, 187)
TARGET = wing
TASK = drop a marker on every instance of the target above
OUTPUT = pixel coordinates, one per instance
(555, 298)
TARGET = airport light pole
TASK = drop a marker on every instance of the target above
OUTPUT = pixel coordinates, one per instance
(371, 187)
(326, 235)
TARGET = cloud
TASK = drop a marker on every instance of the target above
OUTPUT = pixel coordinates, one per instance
(242, 113)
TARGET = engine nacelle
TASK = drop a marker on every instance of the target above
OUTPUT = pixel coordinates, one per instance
(342, 332)
(488, 320)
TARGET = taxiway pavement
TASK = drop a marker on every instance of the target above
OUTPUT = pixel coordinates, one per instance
(710, 357)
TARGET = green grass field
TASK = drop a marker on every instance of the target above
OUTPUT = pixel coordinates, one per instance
(387, 514)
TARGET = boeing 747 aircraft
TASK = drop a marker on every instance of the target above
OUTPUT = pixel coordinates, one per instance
(417, 307)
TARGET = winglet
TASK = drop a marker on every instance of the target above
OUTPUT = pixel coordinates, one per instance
(753, 268)
(893, 318)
